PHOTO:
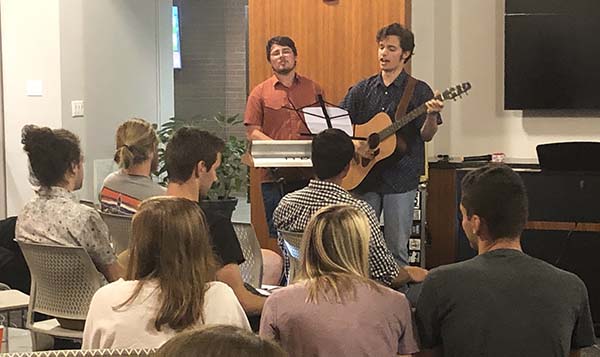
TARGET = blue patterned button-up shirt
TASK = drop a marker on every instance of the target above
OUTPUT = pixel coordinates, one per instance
(369, 97)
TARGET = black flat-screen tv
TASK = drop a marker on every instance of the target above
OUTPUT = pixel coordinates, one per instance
(552, 54)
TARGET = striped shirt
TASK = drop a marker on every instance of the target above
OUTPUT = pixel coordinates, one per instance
(122, 193)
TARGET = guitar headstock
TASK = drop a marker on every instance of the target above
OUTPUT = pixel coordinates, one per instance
(456, 91)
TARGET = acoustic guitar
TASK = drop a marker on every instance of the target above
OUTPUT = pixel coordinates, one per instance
(380, 132)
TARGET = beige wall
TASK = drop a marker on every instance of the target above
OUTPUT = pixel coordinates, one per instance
(113, 54)
(28, 53)
(459, 40)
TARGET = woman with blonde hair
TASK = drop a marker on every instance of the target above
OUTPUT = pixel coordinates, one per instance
(334, 309)
(137, 156)
(170, 283)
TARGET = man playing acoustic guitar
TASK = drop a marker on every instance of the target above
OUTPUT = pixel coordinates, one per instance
(392, 183)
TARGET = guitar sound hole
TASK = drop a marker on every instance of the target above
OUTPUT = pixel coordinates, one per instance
(373, 141)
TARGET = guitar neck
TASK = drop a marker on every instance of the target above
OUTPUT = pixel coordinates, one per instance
(397, 125)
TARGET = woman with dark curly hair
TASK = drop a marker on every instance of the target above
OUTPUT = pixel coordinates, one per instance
(54, 215)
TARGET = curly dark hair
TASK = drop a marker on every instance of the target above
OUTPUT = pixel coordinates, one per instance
(51, 153)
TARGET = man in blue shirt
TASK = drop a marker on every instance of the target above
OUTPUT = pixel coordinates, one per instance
(392, 183)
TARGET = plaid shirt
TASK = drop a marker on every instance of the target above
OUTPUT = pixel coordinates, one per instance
(297, 208)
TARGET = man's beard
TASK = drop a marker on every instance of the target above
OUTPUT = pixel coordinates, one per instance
(285, 70)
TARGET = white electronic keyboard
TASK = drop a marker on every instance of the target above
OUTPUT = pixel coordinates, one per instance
(281, 153)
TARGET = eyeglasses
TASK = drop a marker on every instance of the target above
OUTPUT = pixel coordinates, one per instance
(282, 52)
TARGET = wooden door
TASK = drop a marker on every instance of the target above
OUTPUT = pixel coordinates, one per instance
(336, 48)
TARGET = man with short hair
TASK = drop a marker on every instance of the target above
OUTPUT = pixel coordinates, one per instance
(391, 185)
(269, 115)
(502, 302)
(332, 151)
(192, 157)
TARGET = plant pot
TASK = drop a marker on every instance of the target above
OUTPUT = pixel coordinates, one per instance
(224, 206)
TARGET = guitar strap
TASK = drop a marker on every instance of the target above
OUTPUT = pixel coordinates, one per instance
(406, 96)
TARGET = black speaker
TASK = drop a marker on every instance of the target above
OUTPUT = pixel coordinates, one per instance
(581, 156)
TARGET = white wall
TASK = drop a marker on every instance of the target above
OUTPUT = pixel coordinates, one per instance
(30, 42)
(113, 54)
(463, 40)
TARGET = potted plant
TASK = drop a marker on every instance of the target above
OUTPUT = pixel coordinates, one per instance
(232, 174)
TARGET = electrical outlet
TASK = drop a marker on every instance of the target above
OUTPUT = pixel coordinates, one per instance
(77, 110)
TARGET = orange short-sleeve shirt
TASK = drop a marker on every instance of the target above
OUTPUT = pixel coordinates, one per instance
(269, 106)
(269, 102)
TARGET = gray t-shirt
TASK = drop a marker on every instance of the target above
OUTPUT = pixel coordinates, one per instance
(504, 303)
(122, 193)
(375, 324)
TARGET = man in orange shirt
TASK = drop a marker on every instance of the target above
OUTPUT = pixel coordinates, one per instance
(269, 116)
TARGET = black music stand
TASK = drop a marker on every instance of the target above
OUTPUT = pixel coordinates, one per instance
(322, 103)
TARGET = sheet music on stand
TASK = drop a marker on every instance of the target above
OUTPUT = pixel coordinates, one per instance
(340, 119)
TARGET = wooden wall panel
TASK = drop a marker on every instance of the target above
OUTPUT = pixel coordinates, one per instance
(336, 48)
(335, 40)
(441, 213)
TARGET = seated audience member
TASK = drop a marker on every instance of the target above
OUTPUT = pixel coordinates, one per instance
(502, 302)
(272, 267)
(13, 268)
(332, 151)
(54, 215)
(170, 283)
(192, 157)
(220, 341)
(335, 309)
(137, 156)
